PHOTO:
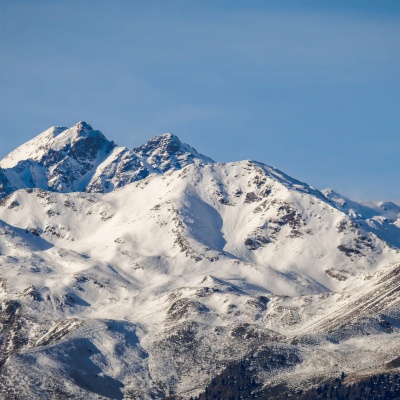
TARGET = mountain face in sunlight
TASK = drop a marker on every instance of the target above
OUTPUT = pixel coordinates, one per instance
(156, 271)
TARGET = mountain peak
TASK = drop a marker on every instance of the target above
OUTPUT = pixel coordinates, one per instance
(167, 151)
(52, 138)
(59, 159)
(32, 149)
(164, 142)
(168, 140)
(166, 136)
(83, 125)
(160, 154)
(80, 130)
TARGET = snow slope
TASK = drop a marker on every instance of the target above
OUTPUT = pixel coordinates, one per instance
(181, 268)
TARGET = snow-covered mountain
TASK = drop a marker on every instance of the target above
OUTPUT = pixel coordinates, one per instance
(81, 159)
(146, 273)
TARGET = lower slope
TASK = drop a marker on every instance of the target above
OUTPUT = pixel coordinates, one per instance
(158, 288)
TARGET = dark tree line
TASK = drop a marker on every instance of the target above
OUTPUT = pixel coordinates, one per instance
(237, 382)
(377, 387)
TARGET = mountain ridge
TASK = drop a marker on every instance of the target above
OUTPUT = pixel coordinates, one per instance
(82, 159)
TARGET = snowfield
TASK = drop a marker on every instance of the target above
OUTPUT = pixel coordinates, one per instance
(143, 274)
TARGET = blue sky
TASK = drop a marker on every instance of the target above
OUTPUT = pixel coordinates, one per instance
(311, 87)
